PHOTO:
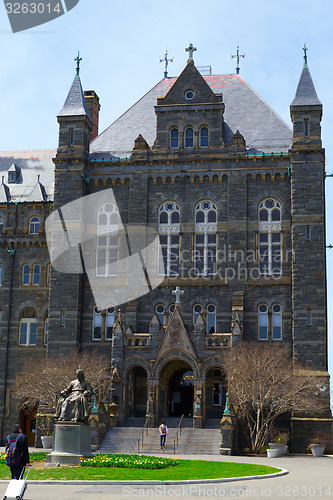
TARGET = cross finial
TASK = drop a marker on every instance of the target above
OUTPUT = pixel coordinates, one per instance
(190, 49)
(78, 59)
(238, 56)
(166, 63)
(178, 292)
(305, 49)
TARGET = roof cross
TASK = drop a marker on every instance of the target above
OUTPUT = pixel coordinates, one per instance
(190, 49)
(78, 59)
(178, 292)
(305, 49)
(166, 63)
(238, 56)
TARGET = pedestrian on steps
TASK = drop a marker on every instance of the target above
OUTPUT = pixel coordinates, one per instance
(164, 432)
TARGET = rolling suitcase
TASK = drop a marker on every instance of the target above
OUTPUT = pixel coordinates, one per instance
(17, 487)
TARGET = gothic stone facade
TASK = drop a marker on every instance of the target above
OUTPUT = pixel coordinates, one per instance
(238, 200)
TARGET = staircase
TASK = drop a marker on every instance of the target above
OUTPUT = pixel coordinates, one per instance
(190, 441)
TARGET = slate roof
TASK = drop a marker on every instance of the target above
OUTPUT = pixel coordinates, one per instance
(306, 94)
(75, 104)
(36, 180)
(245, 110)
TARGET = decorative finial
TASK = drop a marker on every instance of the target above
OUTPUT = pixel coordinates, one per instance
(190, 49)
(238, 56)
(78, 59)
(166, 63)
(178, 292)
(305, 49)
(226, 409)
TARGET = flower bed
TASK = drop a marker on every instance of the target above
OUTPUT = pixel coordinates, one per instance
(128, 461)
(37, 456)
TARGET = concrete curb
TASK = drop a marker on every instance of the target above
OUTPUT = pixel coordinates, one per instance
(283, 472)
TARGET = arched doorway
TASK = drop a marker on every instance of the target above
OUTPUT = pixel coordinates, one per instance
(177, 389)
(137, 392)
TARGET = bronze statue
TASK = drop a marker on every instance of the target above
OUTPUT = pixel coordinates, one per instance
(73, 403)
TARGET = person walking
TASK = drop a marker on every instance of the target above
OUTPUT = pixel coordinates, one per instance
(17, 452)
(164, 432)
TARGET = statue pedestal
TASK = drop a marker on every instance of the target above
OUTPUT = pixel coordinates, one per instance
(72, 441)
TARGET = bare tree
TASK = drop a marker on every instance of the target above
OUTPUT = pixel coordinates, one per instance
(39, 384)
(264, 383)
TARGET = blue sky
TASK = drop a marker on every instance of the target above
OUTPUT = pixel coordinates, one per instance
(121, 43)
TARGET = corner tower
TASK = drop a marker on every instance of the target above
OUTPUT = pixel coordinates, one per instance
(75, 128)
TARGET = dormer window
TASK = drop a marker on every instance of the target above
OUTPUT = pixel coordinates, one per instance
(174, 138)
(189, 138)
(13, 174)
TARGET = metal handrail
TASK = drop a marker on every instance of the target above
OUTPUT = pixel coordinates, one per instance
(179, 430)
(141, 434)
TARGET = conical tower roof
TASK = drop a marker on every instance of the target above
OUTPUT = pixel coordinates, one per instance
(75, 104)
(306, 94)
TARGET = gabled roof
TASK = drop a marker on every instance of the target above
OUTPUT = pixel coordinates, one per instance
(75, 104)
(34, 166)
(261, 127)
(306, 94)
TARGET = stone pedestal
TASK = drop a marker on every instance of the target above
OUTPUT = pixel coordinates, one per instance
(226, 429)
(72, 441)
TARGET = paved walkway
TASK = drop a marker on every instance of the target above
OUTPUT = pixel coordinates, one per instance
(309, 477)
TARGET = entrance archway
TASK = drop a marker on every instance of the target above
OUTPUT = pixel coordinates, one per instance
(177, 389)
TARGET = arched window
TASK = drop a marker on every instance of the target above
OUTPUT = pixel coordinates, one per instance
(26, 275)
(1, 275)
(203, 137)
(277, 322)
(263, 321)
(189, 138)
(171, 308)
(160, 313)
(34, 225)
(270, 237)
(2, 224)
(205, 244)
(108, 220)
(28, 328)
(174, 138)
(97, 323)
(211, 318)
(197, 309)
(168, 228)
(36, 274)
(109, 322)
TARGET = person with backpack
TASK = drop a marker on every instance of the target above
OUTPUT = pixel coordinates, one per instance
(164, 431)
(17, 452)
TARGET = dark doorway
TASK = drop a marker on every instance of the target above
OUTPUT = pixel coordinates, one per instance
(181, 393)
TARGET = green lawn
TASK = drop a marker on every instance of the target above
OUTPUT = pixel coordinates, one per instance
(185, 470)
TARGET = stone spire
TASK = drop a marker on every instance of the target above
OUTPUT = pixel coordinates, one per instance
(75, 104)
(306, 94)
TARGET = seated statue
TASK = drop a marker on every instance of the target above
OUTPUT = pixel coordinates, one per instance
(73, 403)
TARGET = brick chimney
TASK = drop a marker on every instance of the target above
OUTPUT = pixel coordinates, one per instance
(93, 107)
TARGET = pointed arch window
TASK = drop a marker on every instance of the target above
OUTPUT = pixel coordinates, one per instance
(160, 313)
(26, 275)
(109, 322)
(36, 275)
(211, 318)
(189, 137)
(169, 228)
(270, 237)
(108, 221)
(197, 309)
(28, 329)
(205, 244)
(276, 322)
(203, 137)
(34, 225)
(97, 323)
(174, 138)
(263, 321)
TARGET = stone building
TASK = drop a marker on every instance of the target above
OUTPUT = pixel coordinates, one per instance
(237, 198)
